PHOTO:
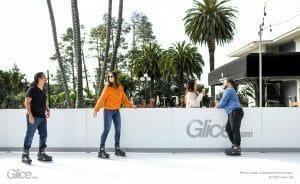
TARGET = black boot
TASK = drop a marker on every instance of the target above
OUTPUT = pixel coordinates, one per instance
(42, 156)
(234, 151)
(118, 151)
(228, 149)
(102, 153)
(25, 157)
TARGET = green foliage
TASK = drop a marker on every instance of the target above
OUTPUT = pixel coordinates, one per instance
(210, 20)
(13, 86)
(128, 83)
(146, 61)
(181, 61)
(142, 30)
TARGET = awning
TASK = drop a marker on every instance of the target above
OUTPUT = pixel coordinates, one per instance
(282, 64)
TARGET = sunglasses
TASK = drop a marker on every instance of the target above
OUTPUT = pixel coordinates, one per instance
(110, 76)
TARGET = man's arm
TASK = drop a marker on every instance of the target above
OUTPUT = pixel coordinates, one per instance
(47, 111)
(225, 99)
(28, 109)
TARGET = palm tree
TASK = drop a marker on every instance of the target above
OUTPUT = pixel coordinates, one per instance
(107, 44)
(77, 53)
(57, 52)
(181, 61)
(145, 61)
(210, 22)
(118, 36)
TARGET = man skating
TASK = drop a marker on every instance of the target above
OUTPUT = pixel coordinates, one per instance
(232, 106)
(37, 112)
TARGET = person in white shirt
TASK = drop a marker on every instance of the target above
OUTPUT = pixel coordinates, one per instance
(192, 97)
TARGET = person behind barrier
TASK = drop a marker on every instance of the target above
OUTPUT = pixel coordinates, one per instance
(192, 98)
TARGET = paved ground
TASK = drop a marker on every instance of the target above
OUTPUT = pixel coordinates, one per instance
(154, 168)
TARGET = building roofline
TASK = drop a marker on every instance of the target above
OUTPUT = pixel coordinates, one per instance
(281, 39)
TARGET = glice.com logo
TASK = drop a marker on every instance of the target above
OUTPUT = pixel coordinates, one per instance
(19, 174)
(198, 128)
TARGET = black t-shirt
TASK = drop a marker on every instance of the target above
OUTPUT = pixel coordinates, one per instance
(38, 101)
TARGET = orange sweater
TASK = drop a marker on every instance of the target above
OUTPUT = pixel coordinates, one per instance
(112, 98)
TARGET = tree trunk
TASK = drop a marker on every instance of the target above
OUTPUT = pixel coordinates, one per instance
(118, 36)
(107, 45)
(85, 72)
(73, 74)
(56, 46)
(151, 89)
(99, 66)
(211, 49)
(77, 53)
(134, 47)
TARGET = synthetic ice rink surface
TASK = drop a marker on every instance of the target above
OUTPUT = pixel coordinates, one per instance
(155, 168)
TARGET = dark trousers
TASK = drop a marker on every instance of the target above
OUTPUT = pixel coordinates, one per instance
(109, 117)
(41, 125)
(233, 126)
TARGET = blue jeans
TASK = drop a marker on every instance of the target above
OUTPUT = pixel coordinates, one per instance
(41, 125)
(109, 116)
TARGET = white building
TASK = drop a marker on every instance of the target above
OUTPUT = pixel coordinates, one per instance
(281, 68)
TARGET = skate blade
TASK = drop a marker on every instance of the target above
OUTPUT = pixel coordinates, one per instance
(26, 162)
(106, 158)
(120, 155)
(42, 160)
(233, 154)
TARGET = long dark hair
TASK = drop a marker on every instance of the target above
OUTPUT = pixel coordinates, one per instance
(191, 86)
(36, 78)
(116, 84)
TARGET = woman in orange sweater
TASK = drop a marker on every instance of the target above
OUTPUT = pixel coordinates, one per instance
(111, 98)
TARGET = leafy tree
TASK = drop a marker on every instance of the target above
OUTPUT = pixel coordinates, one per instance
(181, 62)
(143, 32)
(97, 45)
(146, 62)
(210, 22)
(13, 86)
(67, 45)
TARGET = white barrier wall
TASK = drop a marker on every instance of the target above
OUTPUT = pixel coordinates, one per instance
(158, 128)
(281, 127)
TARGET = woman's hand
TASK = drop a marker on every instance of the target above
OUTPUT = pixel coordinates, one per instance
(95, 114)
(133, 106)
(203, 92)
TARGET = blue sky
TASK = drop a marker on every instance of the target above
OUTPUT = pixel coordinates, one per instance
(26, 37)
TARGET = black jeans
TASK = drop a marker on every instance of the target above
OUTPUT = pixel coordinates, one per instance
(233, 126)
(41, 125)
